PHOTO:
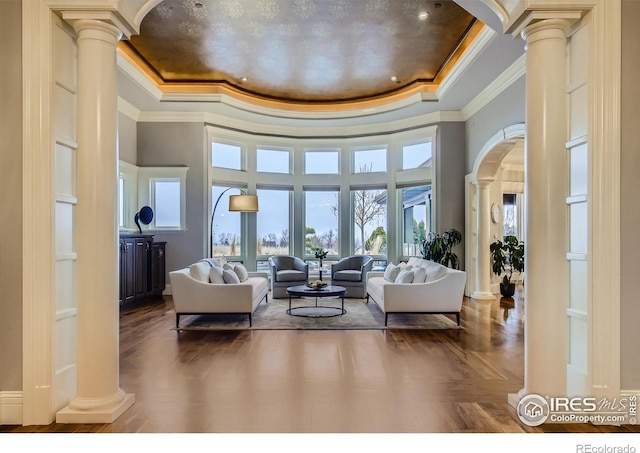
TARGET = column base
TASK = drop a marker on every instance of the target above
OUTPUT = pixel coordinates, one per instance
(102, 415)
(482, 295)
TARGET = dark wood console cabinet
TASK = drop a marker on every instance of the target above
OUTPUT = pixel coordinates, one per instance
(142, 267)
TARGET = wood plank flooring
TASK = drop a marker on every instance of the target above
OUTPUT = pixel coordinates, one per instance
(393, 381)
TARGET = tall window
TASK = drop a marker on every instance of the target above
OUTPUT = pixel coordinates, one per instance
(225, 155)
(367, 160)
(321, 221)
(121, 208)
(369, 221)
(166, 200)
(510, 214)
(416, 155)
(416, 218)
(321, 162)
(227, 226)
(273, 230)
(273, 161)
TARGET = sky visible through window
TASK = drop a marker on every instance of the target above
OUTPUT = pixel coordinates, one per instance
(167, 203)
(370, 160)
(321, 218)
(273, 230)
(273, 161)
(416, 155)
(321, 162)
(226, 225)
(224, 155)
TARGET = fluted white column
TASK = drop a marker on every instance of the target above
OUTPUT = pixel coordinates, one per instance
(483, 269)
(99, 398)
(546, 288)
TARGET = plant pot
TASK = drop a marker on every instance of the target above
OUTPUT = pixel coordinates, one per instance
(507, 290)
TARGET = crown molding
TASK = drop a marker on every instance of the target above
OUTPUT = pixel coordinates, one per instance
(128, 109)
(131, 70)
(517, 69)
(484, 38)
(389, 127)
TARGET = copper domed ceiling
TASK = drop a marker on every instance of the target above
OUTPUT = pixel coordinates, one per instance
(302, 51)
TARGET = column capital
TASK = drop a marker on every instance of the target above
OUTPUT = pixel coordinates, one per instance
(483, 183)
(545, 19)
(105, 21)
(545, 29)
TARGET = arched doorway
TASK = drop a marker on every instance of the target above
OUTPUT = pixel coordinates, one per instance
(497, 181)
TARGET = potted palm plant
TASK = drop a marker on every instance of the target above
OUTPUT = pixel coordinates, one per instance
(439, 248)
(508, 257)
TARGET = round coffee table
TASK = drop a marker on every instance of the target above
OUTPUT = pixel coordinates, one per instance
(316, 311)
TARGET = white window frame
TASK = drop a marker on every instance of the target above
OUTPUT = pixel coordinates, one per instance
(129, 173)
(147, 176)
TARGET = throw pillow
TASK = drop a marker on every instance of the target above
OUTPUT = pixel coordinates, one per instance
(227, 266)
(419, 274)
(230, 276)
(391, 272)
(215, 275)
(241, 272)
(200, 271)
(404, 277)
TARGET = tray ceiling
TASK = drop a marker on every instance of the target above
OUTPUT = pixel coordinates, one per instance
(302, 51)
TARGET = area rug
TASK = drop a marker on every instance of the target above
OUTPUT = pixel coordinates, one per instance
(359, 316)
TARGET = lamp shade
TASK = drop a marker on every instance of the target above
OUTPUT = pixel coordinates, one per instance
(243, 203)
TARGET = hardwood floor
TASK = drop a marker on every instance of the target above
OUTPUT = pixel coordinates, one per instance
(252, 381)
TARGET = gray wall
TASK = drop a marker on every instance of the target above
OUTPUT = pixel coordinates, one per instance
(629, 189)
(450, 181)
(127, 139)
(507, 109)
(179, 144)
(11, 192)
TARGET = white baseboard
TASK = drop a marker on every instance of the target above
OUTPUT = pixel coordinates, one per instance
(167, 290)
(10, 408)
(628, 393)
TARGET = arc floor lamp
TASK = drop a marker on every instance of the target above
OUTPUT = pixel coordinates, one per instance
(237, 203)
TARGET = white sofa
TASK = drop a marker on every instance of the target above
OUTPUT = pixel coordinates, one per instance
(441, 292)
(194, 294)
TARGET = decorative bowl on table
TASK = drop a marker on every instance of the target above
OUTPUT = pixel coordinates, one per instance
(317, 285)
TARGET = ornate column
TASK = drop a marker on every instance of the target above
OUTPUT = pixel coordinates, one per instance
(99, 398)
(546, 288)
(483, 270)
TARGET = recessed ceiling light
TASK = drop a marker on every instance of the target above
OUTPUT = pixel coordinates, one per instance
(243, 79)
(197, 4)
(395, 79)
(423, 15)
